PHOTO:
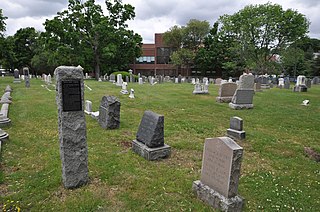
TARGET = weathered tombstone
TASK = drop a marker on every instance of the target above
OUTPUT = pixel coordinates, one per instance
(243, 97)
(236, 129)
(218, 81)
(88, 107)
(87, 75)
(179, 78)
(149, 141)
(16, 76)
(257, 87)
(286, 83)
(109, 112)
(131, 95)
(315, 80)
(127, 79)
(26, 76)
(226, 92)
(301, 84)
(119, 80)
(72, 126)
(124, 88)
(193, 81)
(200, 89)
(265, 82)
(221, 164)
(280, 83)
(112, 78)
(308, 83)
(140, 81)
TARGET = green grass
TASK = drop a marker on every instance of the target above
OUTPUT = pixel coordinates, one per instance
(276, 175)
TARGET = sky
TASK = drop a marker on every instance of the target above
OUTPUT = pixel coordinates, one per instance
(152, 16)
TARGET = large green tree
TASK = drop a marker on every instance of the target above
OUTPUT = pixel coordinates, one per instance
(186, 41)
(261, 31)
(83, 35)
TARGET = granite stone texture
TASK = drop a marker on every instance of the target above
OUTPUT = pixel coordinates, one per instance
(246, 81)
(226, 92)
(72, 126)
(109, 112)
(236, 123)
(215, 199)
(151, 129)
(151, 153)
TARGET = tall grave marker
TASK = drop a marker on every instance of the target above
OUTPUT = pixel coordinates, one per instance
(221, 164)
(26, 76)
(243, 97)
(72, 126)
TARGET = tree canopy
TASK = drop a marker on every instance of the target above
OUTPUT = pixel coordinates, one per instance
(2, 23)
(261, 31)
(83, 35)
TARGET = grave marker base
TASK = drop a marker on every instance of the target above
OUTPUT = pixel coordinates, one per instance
(4, 122)
(216, 200)
(150, 153)
(240, 106)
(236, 134)
(226, 99)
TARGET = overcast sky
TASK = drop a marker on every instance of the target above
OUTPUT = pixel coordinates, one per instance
(152, 16)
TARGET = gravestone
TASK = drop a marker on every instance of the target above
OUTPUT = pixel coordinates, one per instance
(124, 88)
(88, 107)
(72, 126)
(179, 78)
(26, 76)
(257, 87)
(140, 81)
(315, 80)
(149, 141)
(16, 76)
(300, 84)
(308, 83)
(226, 92)
(109, 112)
(281, 83)
(112, 78)
(243, 97)
(200, 89)
(127, 79)
(264, 82)
(221, 164)
(119, 80)
(193, 81)
(131, 95)
(236, 129)
(218, 81)
(286, 83)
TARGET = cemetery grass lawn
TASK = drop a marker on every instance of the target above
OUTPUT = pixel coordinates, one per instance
(275, 173)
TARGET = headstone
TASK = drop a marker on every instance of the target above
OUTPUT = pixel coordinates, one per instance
(315, 80)
(88, 107)
(301, 84)
(131, 95)
(200, 89)
(87, 75)
(179, 78)
(280, 82)
(26, 76)
(140, 81)
(16, 76)
(308, 83)
(236, 129)
(226, 92)
(286, 83)
(149, 141)
(124, 88)
(112, 78)
(72, 126)
(49, 79)
(221, 164)
(127, 79)
(176, 80)
(218, 81)
(109, 112)
(243, 96)
(193, 81)
(119, 80)
(257, 87)
(265, 82)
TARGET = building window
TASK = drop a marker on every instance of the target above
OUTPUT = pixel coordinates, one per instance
(163, 55)
(145, 60)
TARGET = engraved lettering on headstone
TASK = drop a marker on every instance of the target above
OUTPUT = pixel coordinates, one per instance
(71, 96)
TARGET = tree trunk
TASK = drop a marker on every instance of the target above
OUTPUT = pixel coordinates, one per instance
(97, 63)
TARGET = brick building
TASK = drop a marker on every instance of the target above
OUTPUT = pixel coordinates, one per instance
(155, 59)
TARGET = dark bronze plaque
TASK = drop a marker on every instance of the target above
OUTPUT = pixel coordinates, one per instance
(71, 96)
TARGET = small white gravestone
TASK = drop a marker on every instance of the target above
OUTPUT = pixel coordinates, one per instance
(193, 81)
(176, 80)
(140, 81)
(88, 107)
(131, 93)
(124, 88)
(281, 83)
(119, 80)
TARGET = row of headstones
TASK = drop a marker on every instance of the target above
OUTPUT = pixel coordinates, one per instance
(6, 100)
(26, 76)
(222, 156)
